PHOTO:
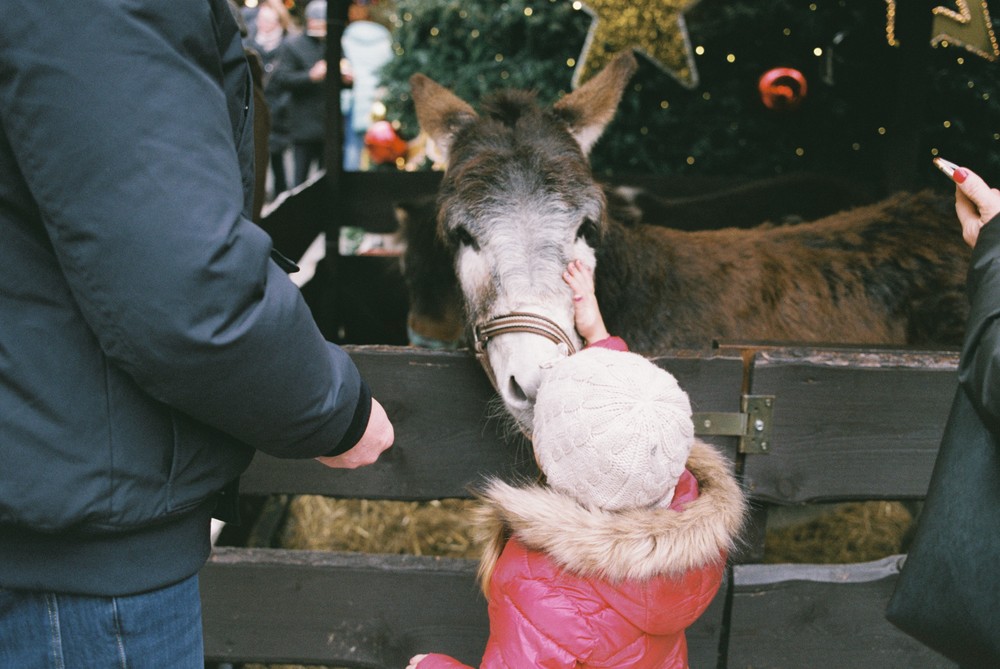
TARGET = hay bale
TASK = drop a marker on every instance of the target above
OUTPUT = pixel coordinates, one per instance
(438, 527)
(850, 532)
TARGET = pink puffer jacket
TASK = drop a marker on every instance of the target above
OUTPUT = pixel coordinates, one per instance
(586, 588)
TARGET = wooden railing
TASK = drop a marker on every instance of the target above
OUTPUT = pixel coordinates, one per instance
(842, 424)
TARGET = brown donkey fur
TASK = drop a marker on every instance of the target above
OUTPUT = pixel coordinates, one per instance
(887, 273)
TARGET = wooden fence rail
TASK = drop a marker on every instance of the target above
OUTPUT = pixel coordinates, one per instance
(841, 424)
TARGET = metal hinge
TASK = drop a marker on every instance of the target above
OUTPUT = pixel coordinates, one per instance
(752, 425)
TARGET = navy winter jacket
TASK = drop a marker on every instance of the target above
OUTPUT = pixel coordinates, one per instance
(148, 344)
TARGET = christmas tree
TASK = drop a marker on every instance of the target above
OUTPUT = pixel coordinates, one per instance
(862, 106)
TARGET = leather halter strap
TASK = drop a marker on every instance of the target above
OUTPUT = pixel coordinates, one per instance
(516, 321)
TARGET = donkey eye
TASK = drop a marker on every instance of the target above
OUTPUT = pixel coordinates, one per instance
(461, 236)
(588, 232)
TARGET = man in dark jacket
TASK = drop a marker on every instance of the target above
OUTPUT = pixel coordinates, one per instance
(148, 343)
(300, 73)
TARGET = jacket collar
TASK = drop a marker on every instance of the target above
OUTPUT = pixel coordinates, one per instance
(632, 544)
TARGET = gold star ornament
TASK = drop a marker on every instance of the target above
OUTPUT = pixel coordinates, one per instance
(965, 23)
(654, 28)
(969, 26)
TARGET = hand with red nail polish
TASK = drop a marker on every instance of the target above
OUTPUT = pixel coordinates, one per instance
(975, 203)
(586, 312)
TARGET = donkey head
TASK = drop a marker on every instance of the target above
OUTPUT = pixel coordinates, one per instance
(517, 203)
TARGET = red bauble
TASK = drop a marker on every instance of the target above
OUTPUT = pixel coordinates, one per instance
(782, 88)
(384, 145)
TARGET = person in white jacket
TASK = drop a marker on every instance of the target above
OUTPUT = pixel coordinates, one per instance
(367, 47)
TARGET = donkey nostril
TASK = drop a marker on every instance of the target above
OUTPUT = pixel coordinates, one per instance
(516, 391)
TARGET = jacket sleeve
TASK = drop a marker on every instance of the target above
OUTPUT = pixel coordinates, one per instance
(439, 661)
(979, 369)
(291, 72)
(614, 343)
(118, 119)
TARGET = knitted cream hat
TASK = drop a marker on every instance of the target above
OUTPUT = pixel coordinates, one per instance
(612, 430)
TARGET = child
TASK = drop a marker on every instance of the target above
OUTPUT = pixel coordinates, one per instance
(623, 547)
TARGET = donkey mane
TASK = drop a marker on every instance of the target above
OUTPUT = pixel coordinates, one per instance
(509, 106)
(511, 120)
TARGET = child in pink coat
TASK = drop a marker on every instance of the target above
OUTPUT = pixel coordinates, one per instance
(624, 545)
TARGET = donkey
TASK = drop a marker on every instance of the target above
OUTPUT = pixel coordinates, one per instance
(518, 202)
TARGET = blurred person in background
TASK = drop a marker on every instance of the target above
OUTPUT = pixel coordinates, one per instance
(273, 26)
(300, 72)
(367, 46)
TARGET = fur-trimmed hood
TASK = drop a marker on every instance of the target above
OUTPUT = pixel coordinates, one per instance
(619, 545)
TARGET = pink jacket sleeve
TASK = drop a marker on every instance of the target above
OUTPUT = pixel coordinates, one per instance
(612, 342)
(439, 661)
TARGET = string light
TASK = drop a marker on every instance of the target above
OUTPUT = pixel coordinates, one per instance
(890, 22)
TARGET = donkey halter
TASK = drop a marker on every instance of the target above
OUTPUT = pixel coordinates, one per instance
(516, 321)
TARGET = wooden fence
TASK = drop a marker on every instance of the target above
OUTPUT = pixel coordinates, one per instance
(815, 424)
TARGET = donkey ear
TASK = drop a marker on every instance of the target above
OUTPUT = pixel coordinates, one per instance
(590, 108)
(440, 112)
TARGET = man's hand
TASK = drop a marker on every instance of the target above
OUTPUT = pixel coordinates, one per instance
(378, 437)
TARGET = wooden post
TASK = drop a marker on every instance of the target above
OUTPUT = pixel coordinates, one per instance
(326, 307)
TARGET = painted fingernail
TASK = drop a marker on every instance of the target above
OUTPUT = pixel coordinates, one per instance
(960, 175)
(577, 298)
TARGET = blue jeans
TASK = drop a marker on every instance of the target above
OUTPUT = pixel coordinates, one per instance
(154, 630)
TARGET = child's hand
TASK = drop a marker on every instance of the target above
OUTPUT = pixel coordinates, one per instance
(589, 322)
(415, 660)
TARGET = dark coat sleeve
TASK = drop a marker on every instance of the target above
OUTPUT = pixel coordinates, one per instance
(291, 71)
(123, 133)
(979, 369)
